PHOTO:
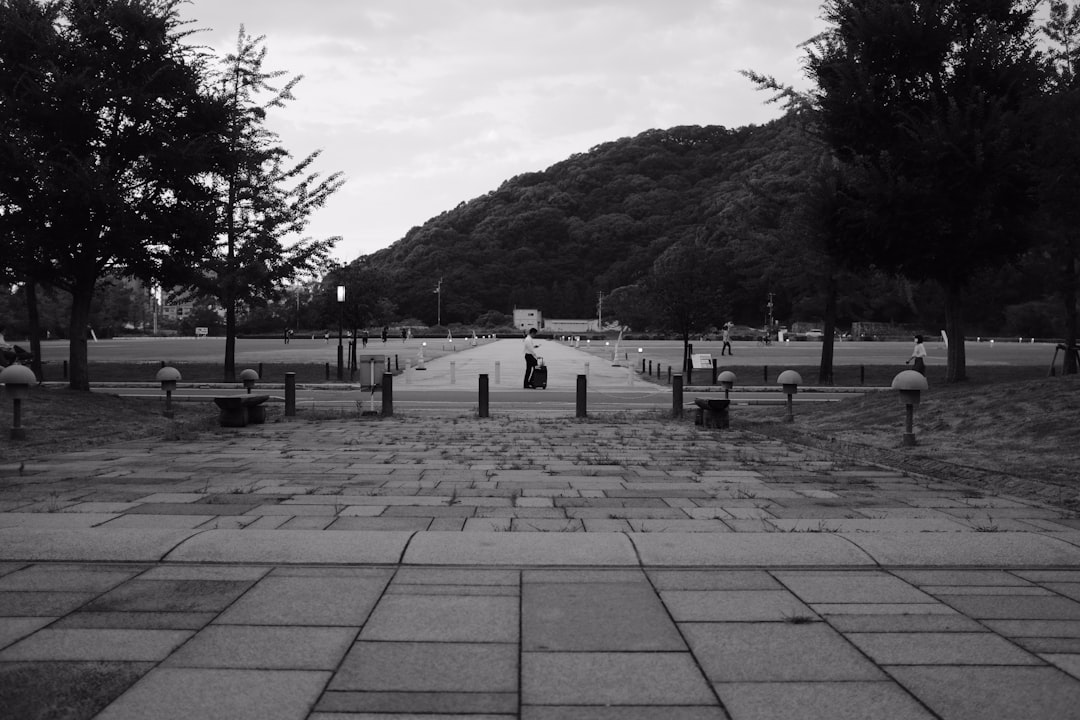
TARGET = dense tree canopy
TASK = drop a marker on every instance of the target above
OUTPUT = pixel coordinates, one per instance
(928, 103)
(105, 136)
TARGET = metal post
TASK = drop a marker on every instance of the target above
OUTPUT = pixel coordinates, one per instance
(713, 371)
(909, 426)
(290, 394)
(676, 396)
(582, 387)
(17, 432)
(340, 329)
(168, 405)
(387, 395)
(483, 400)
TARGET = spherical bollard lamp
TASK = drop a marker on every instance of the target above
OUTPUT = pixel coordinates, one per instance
(17, 380)
(727, 381)
(910, 383)
(791, 381)
(249, 377)
(168, 377)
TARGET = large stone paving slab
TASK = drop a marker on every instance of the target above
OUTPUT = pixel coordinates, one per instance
(595, 616)
(217, 694)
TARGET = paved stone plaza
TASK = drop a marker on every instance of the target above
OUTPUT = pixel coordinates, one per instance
(524, 566)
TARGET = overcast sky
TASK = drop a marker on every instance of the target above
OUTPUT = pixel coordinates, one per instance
(424, 104)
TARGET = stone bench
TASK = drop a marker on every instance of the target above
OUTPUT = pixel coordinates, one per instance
(712, 413)
(240, 410)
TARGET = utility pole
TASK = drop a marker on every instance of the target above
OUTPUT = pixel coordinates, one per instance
(438, 291)
(769, 317)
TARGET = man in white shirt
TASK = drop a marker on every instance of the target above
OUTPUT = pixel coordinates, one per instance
(530, 356)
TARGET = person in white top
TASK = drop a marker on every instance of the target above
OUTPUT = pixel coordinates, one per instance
(530, 356)
(918, 354)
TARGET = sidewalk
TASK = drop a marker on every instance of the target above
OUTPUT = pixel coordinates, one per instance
(504, 363)
(524, 567)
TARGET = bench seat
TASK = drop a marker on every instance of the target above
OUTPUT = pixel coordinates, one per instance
(712, 413)
(241, 410)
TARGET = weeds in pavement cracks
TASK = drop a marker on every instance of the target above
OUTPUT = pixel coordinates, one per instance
(990, 525)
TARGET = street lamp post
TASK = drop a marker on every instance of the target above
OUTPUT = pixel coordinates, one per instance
(340, 328)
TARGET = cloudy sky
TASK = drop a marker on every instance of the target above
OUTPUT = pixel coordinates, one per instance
(424, 104)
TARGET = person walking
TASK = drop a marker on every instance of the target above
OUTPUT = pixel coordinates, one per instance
(918, 354)
(727, 340)
(530, 357)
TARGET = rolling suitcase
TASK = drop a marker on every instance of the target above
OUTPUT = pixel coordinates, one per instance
(538, 379)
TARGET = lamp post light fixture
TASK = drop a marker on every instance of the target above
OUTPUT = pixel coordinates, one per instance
(727, 381)
(168, 377)
(340, 329)
(17, 380)
(791, 381)
(910, 384)
(249, 377)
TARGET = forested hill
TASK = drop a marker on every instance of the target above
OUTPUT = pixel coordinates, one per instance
(597, 221)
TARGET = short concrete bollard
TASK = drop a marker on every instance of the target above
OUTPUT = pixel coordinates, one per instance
(482, 407)
(168, 377)
(290, 394)
(17, 380)
(388, 394)
(676, 396)
(582, 393)
(910, 384)
(791, 381)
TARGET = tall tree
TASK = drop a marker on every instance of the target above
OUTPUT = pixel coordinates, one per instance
(105, 138)
(926, 101)
(1059, 161)
(264, 197)
(684, 284)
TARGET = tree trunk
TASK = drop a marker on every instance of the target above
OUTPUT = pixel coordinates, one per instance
(78, 358)
(230, 340)
(954, 326)
(35, 328)
(825, 369)
(1068, 291)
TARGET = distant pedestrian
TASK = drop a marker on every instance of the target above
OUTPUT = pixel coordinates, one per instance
(326, 337)
(404, 334)
(286, 335)
(727, 340)
(918, 354)
(530, 357)
(385, 333)
(364, 338)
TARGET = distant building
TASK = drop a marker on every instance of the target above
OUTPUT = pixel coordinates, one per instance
(526, 319)
(572, 327)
